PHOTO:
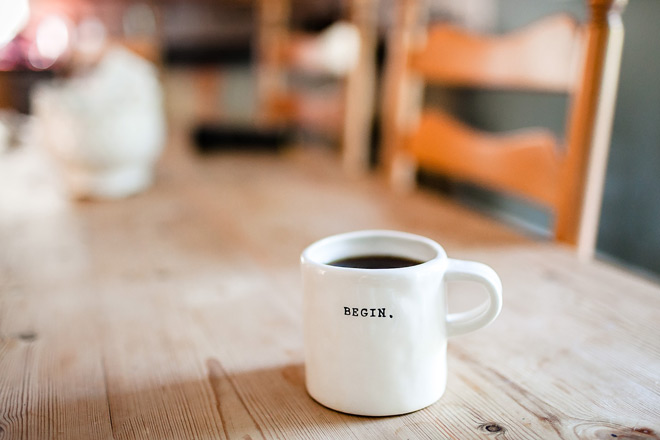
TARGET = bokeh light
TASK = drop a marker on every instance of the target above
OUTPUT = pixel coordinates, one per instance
(53, 37)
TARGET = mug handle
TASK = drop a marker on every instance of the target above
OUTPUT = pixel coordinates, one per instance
(484, 314)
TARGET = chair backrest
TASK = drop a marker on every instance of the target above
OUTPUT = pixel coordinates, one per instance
(282, 51)
(557, 55)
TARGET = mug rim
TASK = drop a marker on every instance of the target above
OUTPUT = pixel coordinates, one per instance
(440, 254)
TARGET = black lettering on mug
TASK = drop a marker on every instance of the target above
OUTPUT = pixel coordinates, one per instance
(366, 313)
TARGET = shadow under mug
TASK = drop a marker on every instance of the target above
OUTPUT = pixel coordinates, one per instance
(376, 339)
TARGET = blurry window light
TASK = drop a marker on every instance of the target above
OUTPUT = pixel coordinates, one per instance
(91, 36)
(139, 19)
(14, 16)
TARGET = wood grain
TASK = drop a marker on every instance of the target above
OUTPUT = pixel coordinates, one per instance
(176, 313)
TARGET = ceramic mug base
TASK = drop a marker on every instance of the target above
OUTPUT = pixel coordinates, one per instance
(394, 410)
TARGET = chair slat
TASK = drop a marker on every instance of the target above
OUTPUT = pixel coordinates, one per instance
(525, 162)
(320, 111)
(541, 56)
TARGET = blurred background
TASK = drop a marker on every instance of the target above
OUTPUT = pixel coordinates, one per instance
(207, 55)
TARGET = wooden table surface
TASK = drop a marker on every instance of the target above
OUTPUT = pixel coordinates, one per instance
(176, 314)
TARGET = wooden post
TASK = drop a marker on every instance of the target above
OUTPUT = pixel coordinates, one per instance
(401, 94)
(273, 24)
(360, 90)
(590, 128)
(208, 81)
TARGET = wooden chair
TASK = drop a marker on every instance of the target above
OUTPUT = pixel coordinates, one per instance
(282, 51)
(556, 54)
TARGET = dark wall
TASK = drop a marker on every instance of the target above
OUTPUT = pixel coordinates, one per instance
(630, 219)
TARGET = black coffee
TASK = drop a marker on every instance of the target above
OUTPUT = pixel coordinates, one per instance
(375, 262)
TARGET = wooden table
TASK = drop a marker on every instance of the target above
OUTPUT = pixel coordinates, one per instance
(177, 313)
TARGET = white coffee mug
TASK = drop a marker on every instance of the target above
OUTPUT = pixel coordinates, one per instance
(376, 339)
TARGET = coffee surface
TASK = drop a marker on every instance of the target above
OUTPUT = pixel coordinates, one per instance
(375, 262)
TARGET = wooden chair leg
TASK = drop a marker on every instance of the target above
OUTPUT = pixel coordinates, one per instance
(403, 173)
(208, 82)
